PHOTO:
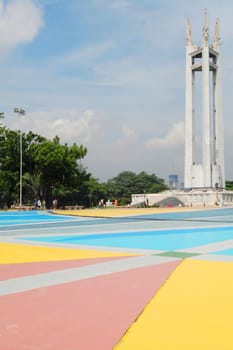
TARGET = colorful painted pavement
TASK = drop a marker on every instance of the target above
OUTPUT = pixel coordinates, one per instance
(126, 280)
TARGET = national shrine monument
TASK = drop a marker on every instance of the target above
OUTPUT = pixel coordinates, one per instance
(204, 169)
(210, 172)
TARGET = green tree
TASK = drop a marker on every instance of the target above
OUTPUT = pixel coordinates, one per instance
(229, 185)
(51, 169)
(120, 187)
(9, 166)
(96, 191)
(60, 173)
(149, 183)
(127, 182)
(48, 168)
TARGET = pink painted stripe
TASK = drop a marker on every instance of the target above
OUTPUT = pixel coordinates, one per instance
(91, 314)
(8, 271)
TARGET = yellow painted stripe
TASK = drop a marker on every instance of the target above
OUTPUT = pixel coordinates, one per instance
(116, 212)
(21, 253)
(192, 311)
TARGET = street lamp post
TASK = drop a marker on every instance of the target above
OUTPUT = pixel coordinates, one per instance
(20, 112)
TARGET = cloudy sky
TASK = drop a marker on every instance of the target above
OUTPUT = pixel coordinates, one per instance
(109, 74)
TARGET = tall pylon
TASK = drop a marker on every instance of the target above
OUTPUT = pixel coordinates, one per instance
(210, 171)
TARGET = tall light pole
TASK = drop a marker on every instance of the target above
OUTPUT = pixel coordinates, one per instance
(20, 112)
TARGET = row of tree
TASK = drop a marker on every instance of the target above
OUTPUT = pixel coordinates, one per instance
(53, 170)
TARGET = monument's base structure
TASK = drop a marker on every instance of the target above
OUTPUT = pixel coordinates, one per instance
(197, 197)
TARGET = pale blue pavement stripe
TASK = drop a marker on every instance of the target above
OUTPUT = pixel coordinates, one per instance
(82, 247)
(26, 283)
(211, 247)
(213, 257)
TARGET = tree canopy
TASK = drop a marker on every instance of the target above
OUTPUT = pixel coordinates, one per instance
(126, 183)
(229, 185)
(54, 170)
(49, 168)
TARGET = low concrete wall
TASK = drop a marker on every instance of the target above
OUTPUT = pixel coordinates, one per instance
(190, 198)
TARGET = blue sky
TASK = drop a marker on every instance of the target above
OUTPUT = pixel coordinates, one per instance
(108, 74)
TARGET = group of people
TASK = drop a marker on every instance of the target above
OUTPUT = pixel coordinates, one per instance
(38, 204)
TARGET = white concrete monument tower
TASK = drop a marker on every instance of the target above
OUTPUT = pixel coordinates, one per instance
(204, 177)
(210, 172)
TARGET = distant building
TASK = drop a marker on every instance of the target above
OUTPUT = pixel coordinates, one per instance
(173, 182)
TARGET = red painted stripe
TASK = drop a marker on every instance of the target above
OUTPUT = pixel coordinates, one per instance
(8, 271)
(86, 315)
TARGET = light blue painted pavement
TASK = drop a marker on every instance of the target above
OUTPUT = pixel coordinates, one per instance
(158, 240)
(34, 216)
(169, 238)
(228, 252)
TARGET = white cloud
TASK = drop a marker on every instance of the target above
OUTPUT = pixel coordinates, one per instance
(88, 53)
(70, 125)
(129, 137)
(20, 21)
(173, 138)
(128, 132)
(118, 5)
